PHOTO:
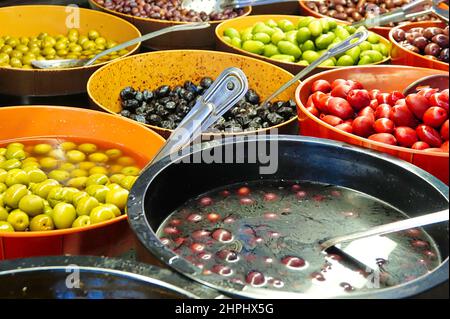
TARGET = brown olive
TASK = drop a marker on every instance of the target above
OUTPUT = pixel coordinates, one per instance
(441, 40)
(420, 42)
(398, 35)
(432, 49)
(444, 55)
(431, 32)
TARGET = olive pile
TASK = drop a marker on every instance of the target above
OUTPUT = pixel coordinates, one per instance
(305, 41)
(46, 186)
(170, 10)
(356, 10)
(432, 42)
(167, 106)
(18, 52)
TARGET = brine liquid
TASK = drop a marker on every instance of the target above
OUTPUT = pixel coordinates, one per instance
(267, 234)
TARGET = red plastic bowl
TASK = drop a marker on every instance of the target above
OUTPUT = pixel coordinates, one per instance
(402, 56)
(110, 238)
(385, 78)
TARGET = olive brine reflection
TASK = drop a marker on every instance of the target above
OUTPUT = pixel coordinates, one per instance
(167, 106)
(266, 234)
(53, 184)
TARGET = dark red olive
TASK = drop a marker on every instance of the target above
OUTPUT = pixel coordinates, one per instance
(243, 191)
(430, 254)
(175, 222)
(255, 278)
(430, 32)
(293, 262)
(213, 217)
(420, 42)
(246, 201)
(432, 49)
(222, 270)
(200, 234)
(198, 247)
(301, 194)
(194, 218)
(441, 40)
(270, 215)
(170, 230)
(270, 197)
(222, 235)
(206, 201)
(398, 35)
(419, 243)
(444, 56)
(228, 255)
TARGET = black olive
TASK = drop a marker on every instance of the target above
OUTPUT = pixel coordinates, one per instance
(191, 87)
(162, 91)
(125, 113)
(127, 93)
(164, 100)
(174, 118)
(188, 96)
(130, 104)
(206, 82)
(147, 95)
(141, 119)
(265, 125)
(286, 112)
(170, 105)
(139, 96)
(275, 119)
(252, 97)
(161, 111)
(141, 110)
(243, 119)
(168, 124)
(292, 104)
(154, 119)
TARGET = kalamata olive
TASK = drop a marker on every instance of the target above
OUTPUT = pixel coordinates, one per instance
(340, 107)
(412, 48)
(420, 43)
(332, 120)
(435, 116)
(384, 125)
(363, 126)
(386, 138)
(441, 40)
(402, 116)
(417, 104)
(398, 35)
(444, 55)
(430, 32)
(419, 145)
(411, 36)
(432, 49)
(382, 111)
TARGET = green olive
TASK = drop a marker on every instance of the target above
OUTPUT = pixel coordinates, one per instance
(131, 170)
(59, 175)
(17, 176)
(75, 156)
(15, 152)
(3, 214)
(86, 204)
(33, 205)
(98, 191)
(63, 215)
(15, 62)
(117, 197)
(101, 214)
(81, 221)
(10, 164)
(42, 149)
(36, 175)
(116, 178)
(97, 179)
(3, 187)
(113, 153)
(115, 169)
(78, 173)
(98, 170)
(19, 220)
(98, 157)
(48, 162)
(42, 222)
(113, 208)
(68, 146)
(6, 227)
(3, 174)
(78, 196)
(128, 182)
(43, 189)
(14, 194)
(67, 167)
(87, 148)
(77, 182)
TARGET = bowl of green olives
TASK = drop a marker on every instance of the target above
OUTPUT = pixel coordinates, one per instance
(65, 33)
(62, 191)
(293, 42)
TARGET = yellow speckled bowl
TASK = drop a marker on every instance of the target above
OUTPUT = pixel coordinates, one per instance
(151, 70)
(192, 39)
(245, 22)
(30, 21)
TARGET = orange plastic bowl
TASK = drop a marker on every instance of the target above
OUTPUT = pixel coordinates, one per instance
(110, 238)
(383, 31)
(386, 78)
(151, 70)
(192, 39)
(245, 22)
(403, 56)
(30, 21)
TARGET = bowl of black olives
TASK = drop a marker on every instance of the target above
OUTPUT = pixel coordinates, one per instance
(421, 44)
(158, 89)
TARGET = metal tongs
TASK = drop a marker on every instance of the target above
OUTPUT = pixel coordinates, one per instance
(405, 13)
(230, 87)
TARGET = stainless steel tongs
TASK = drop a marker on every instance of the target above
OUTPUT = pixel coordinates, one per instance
(405, 13)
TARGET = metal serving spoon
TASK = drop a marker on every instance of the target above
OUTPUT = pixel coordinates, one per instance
(209, 6)
(367, 245)
(71, 63)
(405, 13)
(435, 81)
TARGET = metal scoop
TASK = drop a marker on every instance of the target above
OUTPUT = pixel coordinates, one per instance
(366, 246)
(209, 6)
(405, 13)
(356, 39)
(72, 63)
(225, 92)
(435, 81)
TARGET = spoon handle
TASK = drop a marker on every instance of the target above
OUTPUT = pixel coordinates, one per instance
(394, 227)
(182, 27)
(356, 39)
